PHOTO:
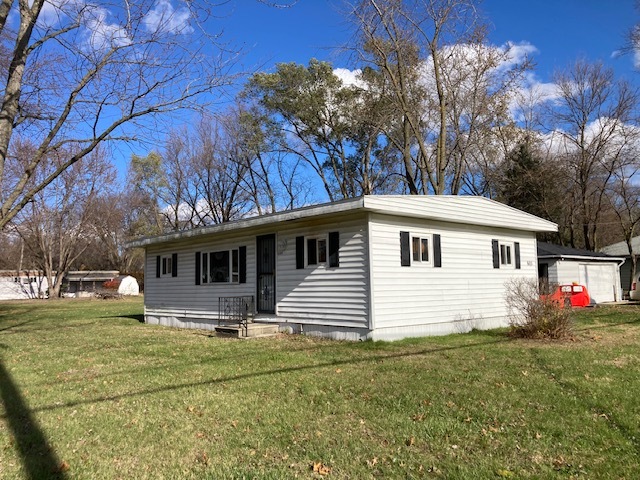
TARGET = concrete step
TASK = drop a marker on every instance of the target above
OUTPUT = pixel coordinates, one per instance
(253, 330)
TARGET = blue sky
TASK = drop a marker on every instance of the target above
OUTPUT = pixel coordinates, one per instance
(561, 31)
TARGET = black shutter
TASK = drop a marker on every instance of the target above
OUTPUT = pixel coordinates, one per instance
(174, 265)
(405, 251)
(299, 252)
(334, 249)
(495, 248)
(242, 264)
(158, 260)
(437, 255)
(516, 250)
(198, 266)
(312, 251)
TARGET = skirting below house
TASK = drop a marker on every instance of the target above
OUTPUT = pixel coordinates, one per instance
(343, 333)
(438, 329)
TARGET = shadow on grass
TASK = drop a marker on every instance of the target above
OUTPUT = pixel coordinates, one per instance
(278, 371)
(134, 316)
(15, 325)
(37, 455)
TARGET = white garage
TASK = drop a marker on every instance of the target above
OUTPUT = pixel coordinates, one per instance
(599, 272)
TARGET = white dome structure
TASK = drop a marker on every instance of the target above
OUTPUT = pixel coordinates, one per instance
(128, 286)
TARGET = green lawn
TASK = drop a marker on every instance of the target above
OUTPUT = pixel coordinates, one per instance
(90, 392)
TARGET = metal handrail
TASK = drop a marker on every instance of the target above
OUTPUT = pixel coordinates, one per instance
(236, 309)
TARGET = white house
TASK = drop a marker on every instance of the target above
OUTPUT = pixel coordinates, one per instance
(22, 285)
(599, 272)
(379, 267)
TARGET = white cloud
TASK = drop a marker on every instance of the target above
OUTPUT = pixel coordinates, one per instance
(349, 77)
(516, 53)
(102, 34)
(164, 18)
(56, 12)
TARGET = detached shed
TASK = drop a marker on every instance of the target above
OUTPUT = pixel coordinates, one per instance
(128, 285)
(599, 272)
(379, 267)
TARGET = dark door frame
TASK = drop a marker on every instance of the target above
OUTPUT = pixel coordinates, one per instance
(266, 273)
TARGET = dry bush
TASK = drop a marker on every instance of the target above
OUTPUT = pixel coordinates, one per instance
(533, 316)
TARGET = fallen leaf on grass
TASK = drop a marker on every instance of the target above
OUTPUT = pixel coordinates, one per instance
(505, 473)
(372, 462)
(319, 467)
(410, 441)
(63, 467)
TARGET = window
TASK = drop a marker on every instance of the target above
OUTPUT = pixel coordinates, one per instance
(220, 267)
(224, 266)
(318, 250)
(505, 254)
(420, 250)
(166, 266)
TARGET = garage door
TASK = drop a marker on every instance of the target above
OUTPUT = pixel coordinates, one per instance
(600, 280)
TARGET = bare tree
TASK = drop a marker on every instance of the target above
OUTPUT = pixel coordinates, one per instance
(59, 223)
(448, 88)
(592, 119)
(79, 74)
(624, 196)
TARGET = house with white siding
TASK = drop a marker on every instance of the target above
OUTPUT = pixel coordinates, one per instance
(373, 267)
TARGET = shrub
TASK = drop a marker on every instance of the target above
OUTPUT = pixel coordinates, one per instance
(111, 284)
(534, 316)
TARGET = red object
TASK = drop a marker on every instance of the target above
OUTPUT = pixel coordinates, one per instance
(571, 296)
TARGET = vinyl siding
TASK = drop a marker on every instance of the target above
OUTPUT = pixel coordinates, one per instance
(315, 295)
(321, 295)
(179, 295)
(466, 289)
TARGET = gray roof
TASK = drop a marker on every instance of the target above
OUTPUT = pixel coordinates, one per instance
(91, 275)
(460, 209)
(549, 250)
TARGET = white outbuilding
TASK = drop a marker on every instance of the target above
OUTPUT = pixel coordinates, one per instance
(373, 267)
(128, 285)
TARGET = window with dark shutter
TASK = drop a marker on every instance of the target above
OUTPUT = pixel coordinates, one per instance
(405, 250)
(334, 249)
(198, 272)
(495, 249)
(516, 252)
(437, 255)
(299, 253)
(158, 263)
(174, 265)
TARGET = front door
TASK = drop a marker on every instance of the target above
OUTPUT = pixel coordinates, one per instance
(266, 270)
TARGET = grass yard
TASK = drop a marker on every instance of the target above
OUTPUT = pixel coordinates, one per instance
(89, 392)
